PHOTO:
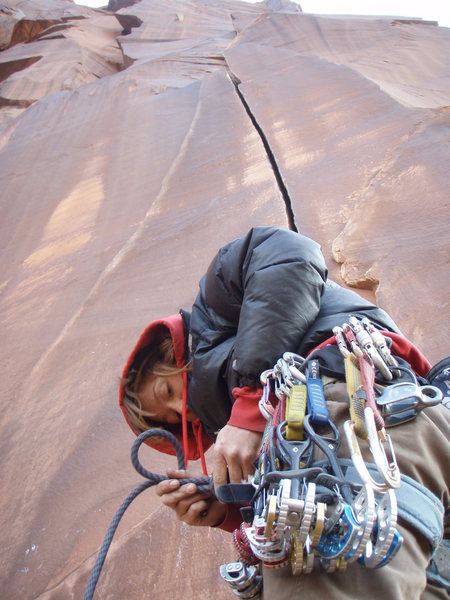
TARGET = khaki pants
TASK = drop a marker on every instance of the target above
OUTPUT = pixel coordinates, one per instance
(422, 448)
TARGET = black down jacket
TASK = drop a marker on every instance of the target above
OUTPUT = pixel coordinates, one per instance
(264, 294)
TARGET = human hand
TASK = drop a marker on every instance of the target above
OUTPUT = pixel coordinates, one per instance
(190, 505)
(235, 452)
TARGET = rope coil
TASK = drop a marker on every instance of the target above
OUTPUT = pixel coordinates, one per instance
(204, 485)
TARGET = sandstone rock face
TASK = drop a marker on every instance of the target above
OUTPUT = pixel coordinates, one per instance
(132, 145)
(23, 20)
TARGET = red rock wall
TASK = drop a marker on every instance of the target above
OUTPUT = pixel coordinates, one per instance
(125, 162)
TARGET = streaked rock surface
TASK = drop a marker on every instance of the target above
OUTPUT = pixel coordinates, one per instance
(125, 162)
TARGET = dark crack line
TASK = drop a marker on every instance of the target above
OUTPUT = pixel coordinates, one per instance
(270, 155)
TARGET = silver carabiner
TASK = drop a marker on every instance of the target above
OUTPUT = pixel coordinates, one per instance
(389, 471)
(365, 341)
(265, 406)
(294, 363)
(284, 369)
(358, 460)
(265, 375)
(381, 344)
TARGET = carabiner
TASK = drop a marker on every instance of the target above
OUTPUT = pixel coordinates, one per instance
(351, 339)
(265, 375)
(365, 341)
(389, 471)
(295, 362)
(381, 345)
(367, 370)
(358, 460)
(340, 341)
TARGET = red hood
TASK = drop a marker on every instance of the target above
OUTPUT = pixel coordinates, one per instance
(197, 440)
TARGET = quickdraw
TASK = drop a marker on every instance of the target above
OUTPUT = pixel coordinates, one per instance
(305, 513)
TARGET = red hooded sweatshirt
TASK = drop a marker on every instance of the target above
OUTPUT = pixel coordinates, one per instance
(194, 442)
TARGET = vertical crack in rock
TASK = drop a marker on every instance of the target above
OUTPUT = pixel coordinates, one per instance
(279, 179)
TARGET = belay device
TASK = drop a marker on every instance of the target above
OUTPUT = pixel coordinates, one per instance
(329, 513)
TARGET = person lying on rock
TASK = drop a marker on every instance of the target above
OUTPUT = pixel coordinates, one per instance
(197, 374)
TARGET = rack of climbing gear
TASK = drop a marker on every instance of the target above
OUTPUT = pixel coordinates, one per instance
(328, 513)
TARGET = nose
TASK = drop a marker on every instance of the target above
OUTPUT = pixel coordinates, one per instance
(178, 407)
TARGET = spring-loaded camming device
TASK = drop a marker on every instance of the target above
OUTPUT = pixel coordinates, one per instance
(295, 454)
(329, 446)
(386, 540)
(339, 540)
(244, 580)
(363, 508)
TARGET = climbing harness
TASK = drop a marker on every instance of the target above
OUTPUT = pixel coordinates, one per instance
(204, 485)
(331, 512)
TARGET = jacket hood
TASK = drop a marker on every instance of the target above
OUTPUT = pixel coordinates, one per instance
(197, 440)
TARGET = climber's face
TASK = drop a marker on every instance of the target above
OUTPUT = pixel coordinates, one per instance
(162, 397)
